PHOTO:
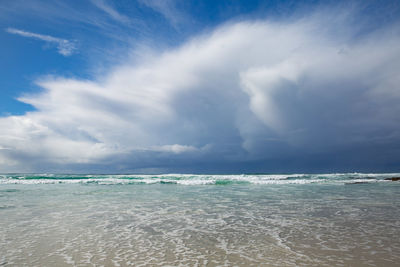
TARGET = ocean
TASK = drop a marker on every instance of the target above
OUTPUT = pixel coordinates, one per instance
(344, 219)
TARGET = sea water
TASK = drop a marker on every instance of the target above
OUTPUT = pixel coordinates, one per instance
(200, 220)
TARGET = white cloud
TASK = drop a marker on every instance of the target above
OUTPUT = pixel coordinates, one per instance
(176, 148)
(65, 47)
(249, 91)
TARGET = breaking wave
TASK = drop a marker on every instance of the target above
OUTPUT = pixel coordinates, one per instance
(198, 179)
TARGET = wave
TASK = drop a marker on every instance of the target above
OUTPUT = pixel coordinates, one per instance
(198, 179)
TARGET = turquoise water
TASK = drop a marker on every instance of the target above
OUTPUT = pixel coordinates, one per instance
(204, 220)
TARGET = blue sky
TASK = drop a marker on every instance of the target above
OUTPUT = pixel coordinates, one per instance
(199, 86)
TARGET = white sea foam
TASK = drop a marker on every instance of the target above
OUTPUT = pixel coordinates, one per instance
(196, 182)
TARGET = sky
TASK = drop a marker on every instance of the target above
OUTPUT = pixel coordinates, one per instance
(175, 86)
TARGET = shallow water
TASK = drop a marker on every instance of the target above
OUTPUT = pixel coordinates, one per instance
(253, 220)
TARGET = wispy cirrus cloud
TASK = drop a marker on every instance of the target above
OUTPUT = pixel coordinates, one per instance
(167, 8)
(64, 47)
(111, 11)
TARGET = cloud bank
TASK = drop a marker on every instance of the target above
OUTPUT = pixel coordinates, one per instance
(64, 47)
(305, 94)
